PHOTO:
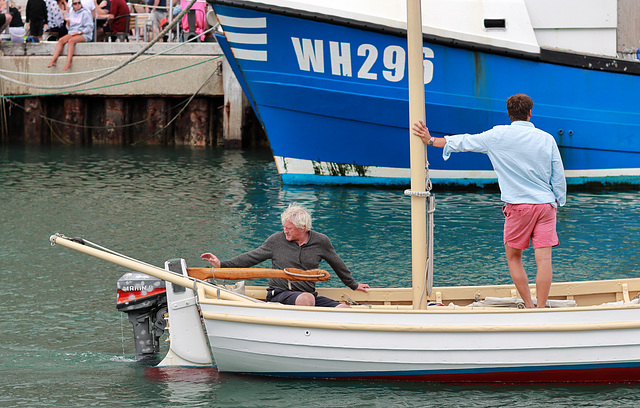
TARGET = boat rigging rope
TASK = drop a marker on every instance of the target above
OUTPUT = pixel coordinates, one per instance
(115, 69)
(302, 275)
(83, 241)
(426, 171)
(427, 284)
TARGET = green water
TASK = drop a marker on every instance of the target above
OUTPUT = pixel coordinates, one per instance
(64, 344)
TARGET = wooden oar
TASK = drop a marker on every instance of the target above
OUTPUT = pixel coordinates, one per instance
(258, 273)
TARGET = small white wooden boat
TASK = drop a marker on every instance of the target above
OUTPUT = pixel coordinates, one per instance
(591, 332)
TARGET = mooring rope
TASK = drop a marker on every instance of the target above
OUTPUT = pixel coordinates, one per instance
(179, 113)
(4, 127)
(115, 69)
(50, 121)
(116, 84)
(178, 45)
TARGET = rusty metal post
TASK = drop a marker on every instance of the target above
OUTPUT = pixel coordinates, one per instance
(197, 132)
(112, 134)
(74, 130)
(156, 115)
(32, 121)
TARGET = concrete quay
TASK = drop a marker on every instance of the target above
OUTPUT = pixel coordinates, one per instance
(148, 89)
(160, 71)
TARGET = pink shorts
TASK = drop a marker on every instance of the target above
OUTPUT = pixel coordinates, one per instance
(535, 222)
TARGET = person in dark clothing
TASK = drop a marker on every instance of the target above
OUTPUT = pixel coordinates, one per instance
(55, 18)
(16, 17)
(118, 13)
(117, 9)
(36, 17)
(294, 247)
(5, 16)
(16, 27)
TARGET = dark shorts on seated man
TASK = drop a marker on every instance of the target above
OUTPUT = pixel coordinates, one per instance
(288, 297)
(62, 30)
(36, 28)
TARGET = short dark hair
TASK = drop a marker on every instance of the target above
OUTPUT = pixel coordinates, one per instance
(519, 106)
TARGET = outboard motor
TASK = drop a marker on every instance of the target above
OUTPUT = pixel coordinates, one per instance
(144, 299)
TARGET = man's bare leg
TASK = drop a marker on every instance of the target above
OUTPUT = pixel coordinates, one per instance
(518, 274)
(544, 275)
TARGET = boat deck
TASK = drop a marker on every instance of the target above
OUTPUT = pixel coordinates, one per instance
(589, 293)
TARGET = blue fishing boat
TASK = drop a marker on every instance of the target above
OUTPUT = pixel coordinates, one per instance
(328, 81)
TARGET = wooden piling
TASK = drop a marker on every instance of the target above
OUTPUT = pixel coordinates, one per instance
(234, 108)
(124, 121)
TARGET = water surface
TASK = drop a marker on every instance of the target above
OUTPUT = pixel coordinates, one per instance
(63, 343)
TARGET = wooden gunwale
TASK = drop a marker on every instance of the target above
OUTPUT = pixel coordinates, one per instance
(378, 327)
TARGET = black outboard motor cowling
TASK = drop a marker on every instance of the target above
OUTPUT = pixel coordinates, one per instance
(144, 299)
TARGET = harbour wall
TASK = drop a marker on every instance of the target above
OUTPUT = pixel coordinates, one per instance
(172, 94)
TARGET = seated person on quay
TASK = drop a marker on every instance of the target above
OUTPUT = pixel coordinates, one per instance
(80, 30)
(115, 22)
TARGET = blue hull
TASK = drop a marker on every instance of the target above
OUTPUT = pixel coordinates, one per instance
(333, 100)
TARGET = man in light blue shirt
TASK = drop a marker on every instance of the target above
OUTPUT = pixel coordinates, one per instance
(532, 185)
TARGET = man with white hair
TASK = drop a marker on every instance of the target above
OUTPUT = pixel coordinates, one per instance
(297, 246)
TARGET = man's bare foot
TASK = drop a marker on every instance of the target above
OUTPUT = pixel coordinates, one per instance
(51, 64)
(66, 67)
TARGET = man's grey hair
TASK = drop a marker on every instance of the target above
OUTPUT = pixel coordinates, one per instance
(298, 215)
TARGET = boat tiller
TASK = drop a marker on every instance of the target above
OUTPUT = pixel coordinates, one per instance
(144, 299)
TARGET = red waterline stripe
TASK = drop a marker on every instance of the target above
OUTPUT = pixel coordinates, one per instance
(580, 375)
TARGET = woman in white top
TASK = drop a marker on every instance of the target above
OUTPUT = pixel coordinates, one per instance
(80, 30)
(55, 19)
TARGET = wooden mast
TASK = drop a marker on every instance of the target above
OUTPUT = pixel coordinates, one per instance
(417, 155)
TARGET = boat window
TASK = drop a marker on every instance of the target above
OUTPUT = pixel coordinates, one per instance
(495, 23)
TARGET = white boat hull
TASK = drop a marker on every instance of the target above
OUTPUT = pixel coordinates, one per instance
(598, 340)
(442, 344)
